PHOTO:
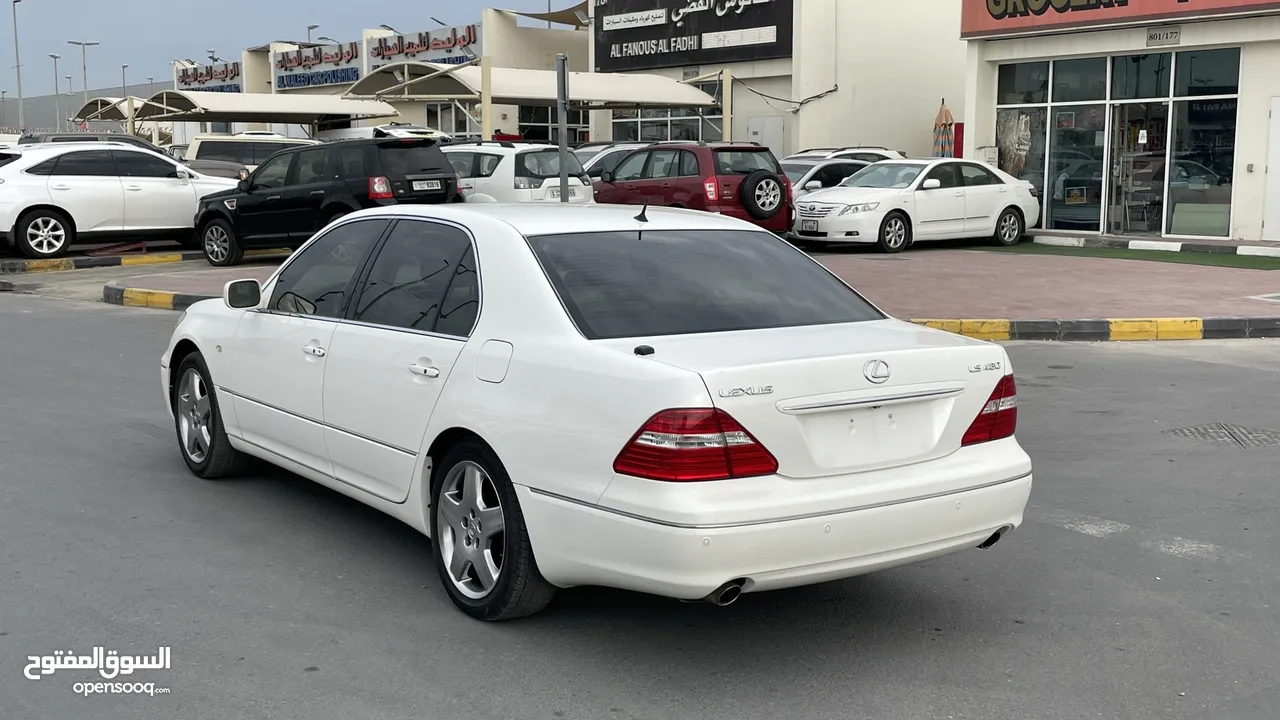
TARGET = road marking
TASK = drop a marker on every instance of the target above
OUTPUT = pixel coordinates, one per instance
(1172, 545)
(1183, 548)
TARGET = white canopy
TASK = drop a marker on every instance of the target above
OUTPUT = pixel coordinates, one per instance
(204, 106)
(109, 108)
(414, 80)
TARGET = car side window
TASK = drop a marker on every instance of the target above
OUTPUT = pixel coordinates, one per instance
(631, 168)
(263, 150)
(313, 166)
(136, 164)
(225, 150)
(273, 174)
(662, 164)
(945, 174)
(93, 163)
(44, 168)
(975, 175)
(128, 140)
(319, 278)
(840, 171)
(411, 275)
(487, 164)
(688, 164)
(351, 162)
(462, 163)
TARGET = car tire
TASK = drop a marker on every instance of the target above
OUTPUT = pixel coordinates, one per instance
(895, 233)
(762, 194)
(197, 420)
(1009, 228)
(469, 490)
(219, 245)
(43, 234)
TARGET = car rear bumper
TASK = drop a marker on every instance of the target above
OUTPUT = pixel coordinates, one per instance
(577, 544)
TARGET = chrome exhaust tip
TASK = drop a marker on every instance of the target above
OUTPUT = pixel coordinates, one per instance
(727, 593)
(995, 538)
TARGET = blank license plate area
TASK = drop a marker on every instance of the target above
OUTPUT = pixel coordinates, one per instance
(555, 192)
(874, 435)
(426, 184)
(809, 225)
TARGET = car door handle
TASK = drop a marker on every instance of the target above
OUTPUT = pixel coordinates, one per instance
(61, 187)
(134, 188)
(317, 192)
(959, 193)
(426, 370)
(315, 350)
(666, 186)
(273, 197)
(1003, 190)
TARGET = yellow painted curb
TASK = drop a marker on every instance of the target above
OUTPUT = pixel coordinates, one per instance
(985, 329)
(58, 265)
(156, 259)
(148, 299)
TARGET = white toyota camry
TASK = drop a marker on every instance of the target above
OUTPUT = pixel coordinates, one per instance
(673, 402)
(895, 203)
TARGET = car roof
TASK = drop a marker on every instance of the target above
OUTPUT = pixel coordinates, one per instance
(256, 138)
(84, 145)
(500, 146)
(559, 218)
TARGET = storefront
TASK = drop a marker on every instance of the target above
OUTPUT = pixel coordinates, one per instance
(1148, 119)
(226, 77)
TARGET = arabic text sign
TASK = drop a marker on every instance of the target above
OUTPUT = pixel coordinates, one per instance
(108, 663)
(210, 77)
(996, 17)
(311, 67)
(634, 35)
(416, 46)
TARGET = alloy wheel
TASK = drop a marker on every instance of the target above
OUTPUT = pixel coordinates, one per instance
(1009, 228)
(195, 416)
(217, 244)
(471, 527)
(895, 232)
(768, 195)
(46, 235)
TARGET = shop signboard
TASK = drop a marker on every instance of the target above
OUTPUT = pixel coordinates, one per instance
(223, 77)
(988, 18)
(445, 46)
(316, 66)
(647, 34)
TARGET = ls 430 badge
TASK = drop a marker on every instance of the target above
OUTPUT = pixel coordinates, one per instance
(743, 391)
(984, 367)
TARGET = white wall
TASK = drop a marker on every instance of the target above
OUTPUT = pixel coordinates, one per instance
(531, 48)
(1259, 81)
(893, 72)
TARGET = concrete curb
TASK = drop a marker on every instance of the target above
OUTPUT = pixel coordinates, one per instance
(1100, 329)
(22, 266)
(1161, 245)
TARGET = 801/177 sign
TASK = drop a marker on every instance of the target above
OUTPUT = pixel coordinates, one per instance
(648, 34)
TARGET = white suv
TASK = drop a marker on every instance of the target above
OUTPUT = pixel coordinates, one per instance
(506, 172)
(247, 148)
(53, 195)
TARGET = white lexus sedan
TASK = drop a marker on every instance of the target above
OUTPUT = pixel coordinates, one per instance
(670, 402)
(894, 203)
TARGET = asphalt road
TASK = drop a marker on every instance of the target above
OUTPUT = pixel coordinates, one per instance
(1143, 585)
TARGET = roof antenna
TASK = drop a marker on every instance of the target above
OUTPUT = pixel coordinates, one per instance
(642, 217)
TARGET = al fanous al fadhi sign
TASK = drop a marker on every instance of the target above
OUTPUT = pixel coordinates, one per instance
(985, 18)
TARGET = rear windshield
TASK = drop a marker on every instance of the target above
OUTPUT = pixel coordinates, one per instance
(412, 158)
(744, 162)
(243, 153)
(544, 164)
(676, 282)
(586, 154)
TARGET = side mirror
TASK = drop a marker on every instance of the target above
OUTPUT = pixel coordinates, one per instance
(813, 185)
(595, 172)
(181, 174)
(931, 184)
(243, 186)
(606, 176)
(240, 294)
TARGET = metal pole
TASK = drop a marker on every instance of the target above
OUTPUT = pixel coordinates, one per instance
(562, 121)
(486, 98)
(17, 66)
(124, 81)
(4, 118)
(84, 70)
(57, 101)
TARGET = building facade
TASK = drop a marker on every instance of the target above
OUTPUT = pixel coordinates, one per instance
(1151, 118)
(809, 73)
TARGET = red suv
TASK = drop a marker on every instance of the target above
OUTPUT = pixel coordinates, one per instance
(742, 180)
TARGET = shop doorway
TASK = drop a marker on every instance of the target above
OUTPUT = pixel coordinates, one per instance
(1139, 141)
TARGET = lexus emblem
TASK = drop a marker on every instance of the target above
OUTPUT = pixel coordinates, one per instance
(877, 371)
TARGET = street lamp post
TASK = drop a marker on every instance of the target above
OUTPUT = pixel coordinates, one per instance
(57, 101)
(151, 86)
(84, 62)
(4, 119)
(17, 65)
(310, 27)
(124, 81)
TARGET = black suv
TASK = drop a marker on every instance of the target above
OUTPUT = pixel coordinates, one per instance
(214, 168)
(298, 191)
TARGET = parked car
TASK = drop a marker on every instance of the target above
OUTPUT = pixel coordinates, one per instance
(501, 171)
(298, 191)
(742, 180)
(215, 168)
(390, 130)
(608, 157)
(563, 396)
(58, 194)
(249, 148)
(808, 175)
(895, 203)
(866, 153)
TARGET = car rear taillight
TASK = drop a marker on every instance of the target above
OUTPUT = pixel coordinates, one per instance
(524, 183)
(1034, 193)
(711, 188)
(999, 416)
(380, 188)
(691, 445)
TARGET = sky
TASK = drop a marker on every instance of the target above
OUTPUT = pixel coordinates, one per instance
(149, 35)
